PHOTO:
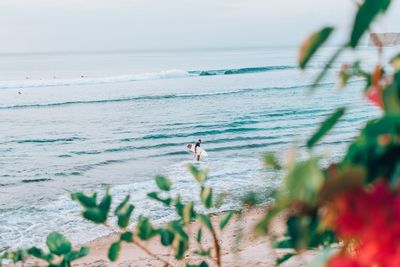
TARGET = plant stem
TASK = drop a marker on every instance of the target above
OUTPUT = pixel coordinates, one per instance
(151, 253)
(217, 247)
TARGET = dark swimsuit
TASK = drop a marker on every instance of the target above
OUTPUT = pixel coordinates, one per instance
(197, 145)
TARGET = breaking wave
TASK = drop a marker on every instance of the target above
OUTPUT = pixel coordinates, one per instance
(167, 74)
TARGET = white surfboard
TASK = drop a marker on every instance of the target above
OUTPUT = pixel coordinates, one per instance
(200, 151)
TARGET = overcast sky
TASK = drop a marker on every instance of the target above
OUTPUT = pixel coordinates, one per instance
(96, 25)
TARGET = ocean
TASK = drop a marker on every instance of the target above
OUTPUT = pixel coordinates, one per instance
(86, 121)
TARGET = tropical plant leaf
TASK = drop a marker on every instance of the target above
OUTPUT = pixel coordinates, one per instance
(312, 44)
(127, 237)
(95, 215)
(144, 228)
(177, 228)
(85, 200)
(14, 256)
(284, 258)
(205, 221)
(303, 183)
(166, 236)
(58, 244)
(113, 251)
(366, 14)
(203, 252)
(199, 235)
(206, 196)
(270, 161)
(202, 264)
(163, 183)
(105, 203)
(225, 220)
(154, 195)
(180, 250)
(199, 175)
(391, 96)
(188, 212)
(40, 254)
(327, 66)
(325, 127)
(74, 255)
(124, 212)
(395, 62)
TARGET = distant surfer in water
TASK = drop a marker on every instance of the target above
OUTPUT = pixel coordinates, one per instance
(197, 150)
(197, 155)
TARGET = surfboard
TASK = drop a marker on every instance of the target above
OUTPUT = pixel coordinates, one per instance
(200, 151)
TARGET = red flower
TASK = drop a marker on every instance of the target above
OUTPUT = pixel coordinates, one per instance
(368, 219)
(374, 95)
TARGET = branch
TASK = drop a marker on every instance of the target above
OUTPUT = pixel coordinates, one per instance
(217, 247)
(167, 263)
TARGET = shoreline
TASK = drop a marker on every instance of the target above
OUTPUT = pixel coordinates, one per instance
(248, 251)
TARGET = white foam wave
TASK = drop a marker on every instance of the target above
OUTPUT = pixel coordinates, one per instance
(167, 74)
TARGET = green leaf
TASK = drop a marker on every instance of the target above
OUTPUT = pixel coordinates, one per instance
(376, 149)
(225, 220)
(270, 161)
(163, 183)
(84, 200)
(391, 96)
(113, 251)
(181, 249)
(395, 62)
(179, 206)
(127, 237)
(203, 253)
(312, 44)
(95, 215)
(366, 14)
(144, 228)
(219, 200)
(166, 236)
(202, 264)
(325, 127)
(124, 212)
(205, 221)
(206, 196)
(199, 235)
(250, 199)
(74, 255)
(15, 256)
(284, 244)
(199, 175)
(284, 258)
(327, 66)
(154, 195)
(105, 203)
(177, 228)
(188, 212)
(303, 183)
(57, 244)
(40, 254)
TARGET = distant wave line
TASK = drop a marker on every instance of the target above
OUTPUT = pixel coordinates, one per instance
(156, 97)
(166, 74)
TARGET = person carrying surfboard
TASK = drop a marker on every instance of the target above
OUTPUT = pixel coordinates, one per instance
(197, 155)
(197, 150)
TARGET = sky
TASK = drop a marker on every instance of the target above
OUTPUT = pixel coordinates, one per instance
(113, 25)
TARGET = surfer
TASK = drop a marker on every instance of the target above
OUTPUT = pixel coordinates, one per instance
(197, 155)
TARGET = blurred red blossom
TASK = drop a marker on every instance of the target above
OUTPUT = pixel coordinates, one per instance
(368, 220)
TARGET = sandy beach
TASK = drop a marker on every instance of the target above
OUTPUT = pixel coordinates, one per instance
(239, 247)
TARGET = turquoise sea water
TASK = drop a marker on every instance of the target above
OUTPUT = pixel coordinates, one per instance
(86, 121)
